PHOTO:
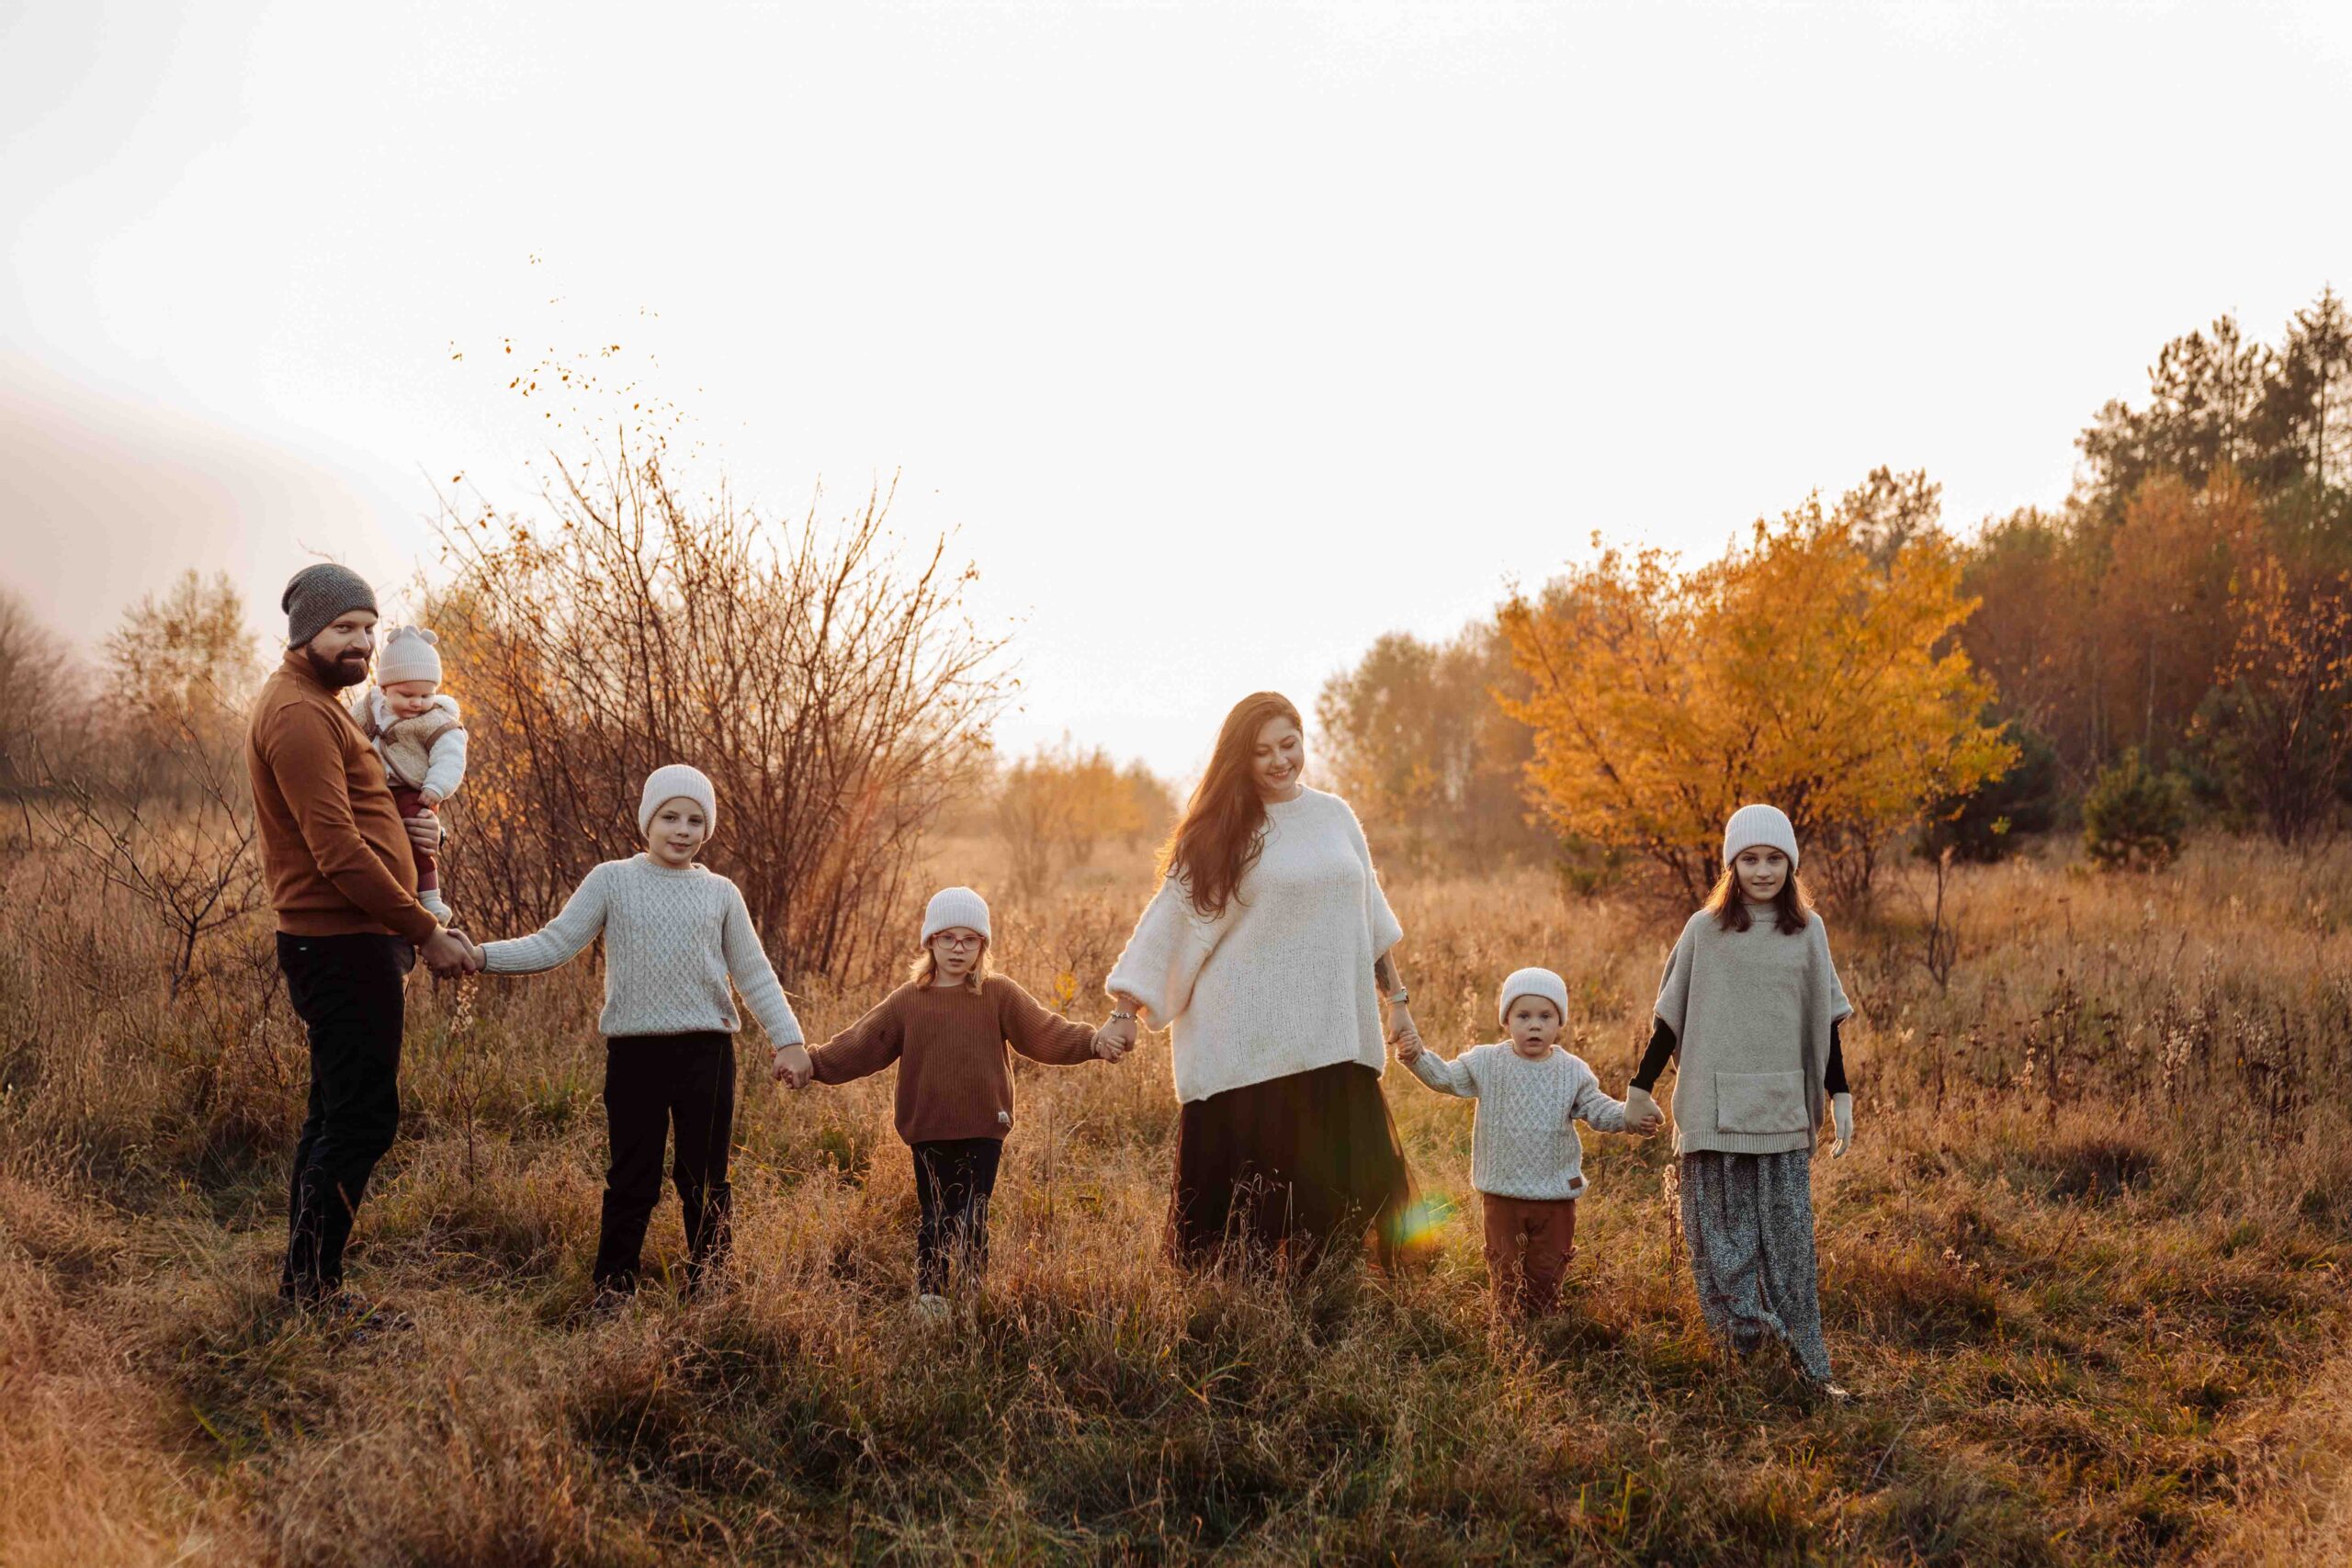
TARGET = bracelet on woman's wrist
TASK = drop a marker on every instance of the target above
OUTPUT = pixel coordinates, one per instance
(1117, 1016)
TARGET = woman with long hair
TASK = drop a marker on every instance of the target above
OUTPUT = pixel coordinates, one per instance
(1267, 949)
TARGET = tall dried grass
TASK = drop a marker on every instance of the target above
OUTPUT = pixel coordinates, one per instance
(2085, 1266)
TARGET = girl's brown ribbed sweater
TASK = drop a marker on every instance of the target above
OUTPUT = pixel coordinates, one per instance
(954, 1075)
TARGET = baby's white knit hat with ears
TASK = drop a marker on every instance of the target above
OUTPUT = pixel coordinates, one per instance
(953, 907)
(1533, 983)
(676, 781)
(1759, 825)
(410, 654)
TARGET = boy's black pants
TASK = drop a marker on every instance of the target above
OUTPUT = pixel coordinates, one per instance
(347, 990)
(952, 1179)
(657, 1086)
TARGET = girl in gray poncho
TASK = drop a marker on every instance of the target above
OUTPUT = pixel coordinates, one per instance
(1750, 1009)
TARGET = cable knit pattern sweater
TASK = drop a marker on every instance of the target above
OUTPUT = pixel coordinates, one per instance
(672, 940)
(1523, 1144)
(1280, 983)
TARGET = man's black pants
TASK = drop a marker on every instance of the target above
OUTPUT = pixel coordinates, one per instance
(954, 1178)
(347, 990)
(657, 1086)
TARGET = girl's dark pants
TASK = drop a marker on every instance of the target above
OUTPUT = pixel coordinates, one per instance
(657, 1086)
(954, 1178)
(347, 990)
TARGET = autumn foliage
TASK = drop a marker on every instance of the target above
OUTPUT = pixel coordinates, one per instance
(1797, 670)
(1057, 806)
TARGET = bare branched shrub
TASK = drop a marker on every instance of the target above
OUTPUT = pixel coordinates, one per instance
(832, 689)
(183, 847)
(155, 794)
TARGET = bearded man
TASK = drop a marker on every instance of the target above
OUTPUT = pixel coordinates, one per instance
(337, 856)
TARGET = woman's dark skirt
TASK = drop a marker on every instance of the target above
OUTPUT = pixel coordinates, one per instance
(1288, 1170)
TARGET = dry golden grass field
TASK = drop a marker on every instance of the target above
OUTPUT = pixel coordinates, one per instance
(2084, 1269)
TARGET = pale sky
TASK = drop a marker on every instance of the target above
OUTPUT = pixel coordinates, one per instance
(1224, 338)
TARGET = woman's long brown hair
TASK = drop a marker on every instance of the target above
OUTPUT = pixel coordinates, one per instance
(1791, 907)
(1222, 830)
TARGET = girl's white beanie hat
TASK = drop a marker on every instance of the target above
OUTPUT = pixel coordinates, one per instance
(953, 907)
(1765, 826)
(409, 655)
(676, 781)
(1533, 983)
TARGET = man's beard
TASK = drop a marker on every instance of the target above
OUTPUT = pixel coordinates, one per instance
(334, 675)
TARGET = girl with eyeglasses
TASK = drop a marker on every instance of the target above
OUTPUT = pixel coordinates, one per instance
(949, 1028)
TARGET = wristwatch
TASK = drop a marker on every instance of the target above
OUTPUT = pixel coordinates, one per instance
(1399, 996)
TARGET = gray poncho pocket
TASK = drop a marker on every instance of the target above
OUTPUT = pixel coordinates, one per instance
(1760, 1103)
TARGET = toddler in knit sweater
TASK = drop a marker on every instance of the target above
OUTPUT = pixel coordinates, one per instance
(1525, 1160)
(675, 934)
(947, 1028)
(416, 731)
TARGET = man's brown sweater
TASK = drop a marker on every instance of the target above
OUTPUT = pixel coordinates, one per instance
(954, 1077)
(331, 844)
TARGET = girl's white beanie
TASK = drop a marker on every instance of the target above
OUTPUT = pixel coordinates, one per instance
(1533, 983)
(953, 907)
(1765, 826)
(676, 781)
(409, 655)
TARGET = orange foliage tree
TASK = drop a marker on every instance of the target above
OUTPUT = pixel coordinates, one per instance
(1798, 670)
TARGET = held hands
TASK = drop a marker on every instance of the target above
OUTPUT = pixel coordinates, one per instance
(1402, 1035)
(450, 952)
(1842, 1118)
(1117, 1037)
(1642, 1114)
(793, 1067)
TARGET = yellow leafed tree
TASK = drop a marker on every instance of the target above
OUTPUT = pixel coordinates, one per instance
(1800, 669)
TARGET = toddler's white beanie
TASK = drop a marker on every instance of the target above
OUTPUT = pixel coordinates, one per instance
(953, 907)
(676, 781)
(1767, 826)
(410, 654)
(1533, 983)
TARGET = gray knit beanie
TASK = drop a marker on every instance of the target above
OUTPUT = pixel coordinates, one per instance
(953, 907)
(676, 781)
(1767, 827)
(317, 594)
(1533, 983)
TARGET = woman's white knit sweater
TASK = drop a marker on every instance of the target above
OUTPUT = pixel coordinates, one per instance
(1281, 982)
(672, 940)
(1524, 1143)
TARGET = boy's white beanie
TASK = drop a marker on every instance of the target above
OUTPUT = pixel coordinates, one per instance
(1533, 983)
(1767, 826)
(410, 654)
(676, 781)
(953, 907)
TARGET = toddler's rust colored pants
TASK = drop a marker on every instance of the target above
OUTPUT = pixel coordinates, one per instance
(1528, 1244)
(411, 803)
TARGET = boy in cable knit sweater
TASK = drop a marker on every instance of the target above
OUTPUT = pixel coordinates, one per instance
(675, 934)
(1525, 1160)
